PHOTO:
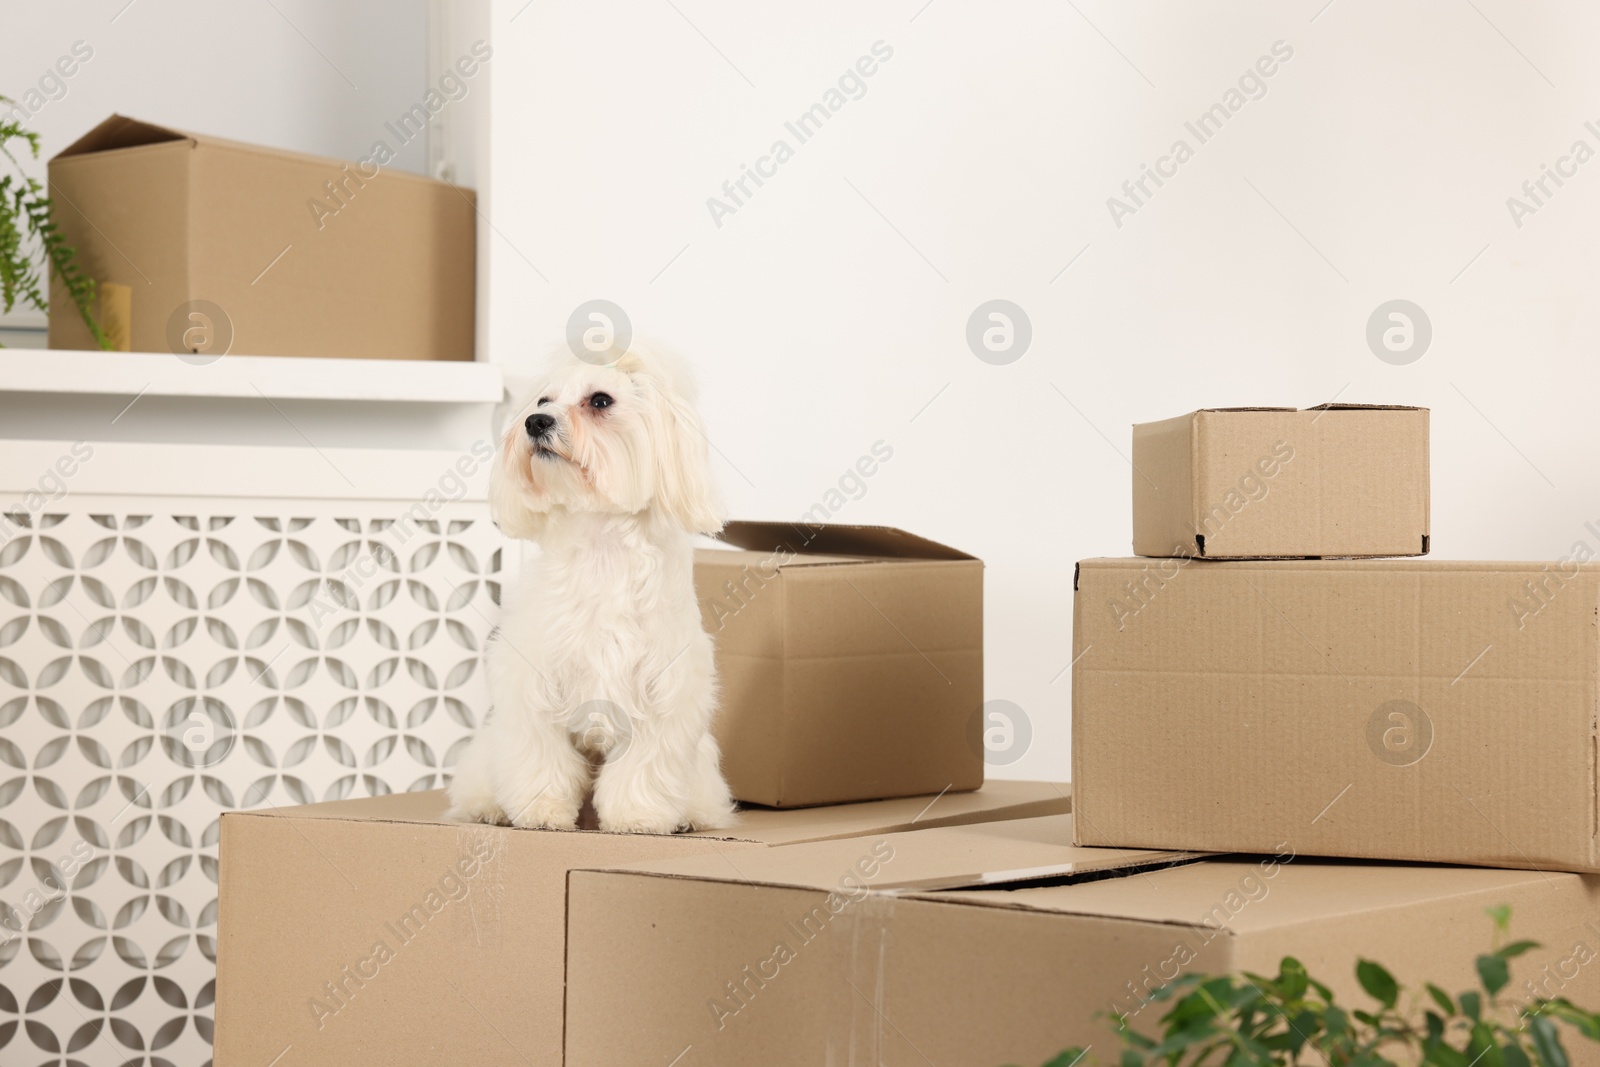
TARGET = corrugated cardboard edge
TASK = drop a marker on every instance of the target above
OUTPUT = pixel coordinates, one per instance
(84, 147)
(1427, 483)
(1057, 802)
(1162, 460)
(836, 539)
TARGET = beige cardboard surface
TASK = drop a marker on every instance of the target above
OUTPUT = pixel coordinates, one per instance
(850, 660)
(376, 931)
(773, 970)
(1390, 709)
(1240, 483)
(384, 271)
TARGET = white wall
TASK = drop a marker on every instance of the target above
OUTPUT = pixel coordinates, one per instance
(828, 313)
(295, 74)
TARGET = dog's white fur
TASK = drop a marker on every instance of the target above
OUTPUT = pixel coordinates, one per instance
(600, 653)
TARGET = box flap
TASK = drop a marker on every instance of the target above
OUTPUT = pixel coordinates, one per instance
(996, 800)
(1200, 411)
(119, 131)
(743, 558)
(1365, 407)
(1331, 406)
(1246, 894)
(976, 855)
(806, 539)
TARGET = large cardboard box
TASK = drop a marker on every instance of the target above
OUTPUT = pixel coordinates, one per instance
(377, 931)
(227, 247)
(1253, 483)
(850, 660)
(997, 944)
(1391, 709)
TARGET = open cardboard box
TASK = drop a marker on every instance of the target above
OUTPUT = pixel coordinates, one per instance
(378, 931)
(1388, 709)
(850, 660)
(217, 246)
(997, 943)
(1243, 483)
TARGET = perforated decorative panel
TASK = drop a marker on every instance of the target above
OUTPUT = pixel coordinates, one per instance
(158, 667)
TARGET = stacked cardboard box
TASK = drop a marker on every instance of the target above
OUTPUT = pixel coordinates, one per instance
(1291, 708)
(1367, 708)
(1219, 706)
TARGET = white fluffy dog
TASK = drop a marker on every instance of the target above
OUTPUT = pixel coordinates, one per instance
(600, 654)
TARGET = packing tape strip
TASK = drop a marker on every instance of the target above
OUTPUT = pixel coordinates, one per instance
(859, 1026)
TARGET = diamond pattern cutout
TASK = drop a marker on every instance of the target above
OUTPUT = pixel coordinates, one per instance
(157, 670)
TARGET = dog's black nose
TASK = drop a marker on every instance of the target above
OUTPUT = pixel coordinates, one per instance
(538, 426)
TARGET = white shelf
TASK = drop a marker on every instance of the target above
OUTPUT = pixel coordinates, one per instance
(25, 370)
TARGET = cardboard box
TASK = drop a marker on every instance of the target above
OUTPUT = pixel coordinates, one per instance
(1255, 483)
(1391, 709)
(851, 662)
(770, 965)
(229, 247)
(376, 931)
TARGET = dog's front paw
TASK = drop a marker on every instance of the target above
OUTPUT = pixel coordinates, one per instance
(639, 820)
(545, 812)
(712, 819)
(486, 811)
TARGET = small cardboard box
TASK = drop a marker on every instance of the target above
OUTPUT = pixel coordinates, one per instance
(1262, 483)
(1388, 709)
(850, 660)
(228, 247)
(997, 944)
(378, 931)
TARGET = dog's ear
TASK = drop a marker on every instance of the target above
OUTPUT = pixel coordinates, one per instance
(683, 485)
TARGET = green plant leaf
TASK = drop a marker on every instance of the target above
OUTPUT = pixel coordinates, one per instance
(1292, 978)
(1514, 1056)
(1442, 1055)
(1135, 1040)
(1303, 1030)
(1379, 983)
(1587, 1023)
(1483, 1049)
(1493, 973)
(1501, 914)
(1547, 1042)
(1177, 1041)
(1441, 998)
(1471, 1005)
(1517, 948)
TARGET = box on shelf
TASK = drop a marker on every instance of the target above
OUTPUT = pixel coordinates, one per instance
(1387, 709)
(850, 660)
(224, 247)
(998, 944)
(377, 930)
(1260, 483)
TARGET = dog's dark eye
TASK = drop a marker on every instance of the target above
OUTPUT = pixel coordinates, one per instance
(601, 400)
(543, 400)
